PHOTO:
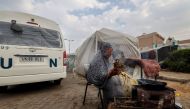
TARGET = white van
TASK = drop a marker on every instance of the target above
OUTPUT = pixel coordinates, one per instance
(31, 49)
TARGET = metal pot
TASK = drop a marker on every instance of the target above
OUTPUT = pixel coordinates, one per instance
(152, 84)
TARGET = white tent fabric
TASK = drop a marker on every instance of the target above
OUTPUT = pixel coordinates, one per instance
(119, 41)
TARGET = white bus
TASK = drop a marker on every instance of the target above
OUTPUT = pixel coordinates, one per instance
(31, 49)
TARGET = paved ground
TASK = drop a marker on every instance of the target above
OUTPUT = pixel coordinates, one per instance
(67, 96)
(47, 96)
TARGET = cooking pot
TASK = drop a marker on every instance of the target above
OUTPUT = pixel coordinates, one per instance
(152, 84)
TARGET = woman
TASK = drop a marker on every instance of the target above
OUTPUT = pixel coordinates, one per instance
(102, 74)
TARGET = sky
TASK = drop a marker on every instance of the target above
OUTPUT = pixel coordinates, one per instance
(79, 19)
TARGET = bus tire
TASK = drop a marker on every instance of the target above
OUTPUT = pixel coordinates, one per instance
(57, 82)
(3, 88)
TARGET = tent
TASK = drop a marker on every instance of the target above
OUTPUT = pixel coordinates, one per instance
(119, 41)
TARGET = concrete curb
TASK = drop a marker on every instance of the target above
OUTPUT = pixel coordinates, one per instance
(174, 79)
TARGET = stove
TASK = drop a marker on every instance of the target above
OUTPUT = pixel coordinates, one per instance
(156, 99)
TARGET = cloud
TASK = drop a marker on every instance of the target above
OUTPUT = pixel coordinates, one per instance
(80, 18)
(17, 5)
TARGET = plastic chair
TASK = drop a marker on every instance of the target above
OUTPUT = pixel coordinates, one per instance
(100, 95)
(86, 66)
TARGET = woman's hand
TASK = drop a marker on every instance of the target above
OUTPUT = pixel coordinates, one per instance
(113, 72)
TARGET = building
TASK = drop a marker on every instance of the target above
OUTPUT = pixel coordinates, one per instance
(184, 44)
(184, 41)
(149, 41)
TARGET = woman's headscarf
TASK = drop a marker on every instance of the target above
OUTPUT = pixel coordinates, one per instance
(103, 46)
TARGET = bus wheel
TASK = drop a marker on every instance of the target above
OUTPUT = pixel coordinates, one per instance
(57, 82)
(3, 88)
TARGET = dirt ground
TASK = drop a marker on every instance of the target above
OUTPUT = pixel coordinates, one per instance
(183, 90)
(67, 96)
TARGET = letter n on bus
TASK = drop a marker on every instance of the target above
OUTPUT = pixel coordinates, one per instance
(53, 62)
